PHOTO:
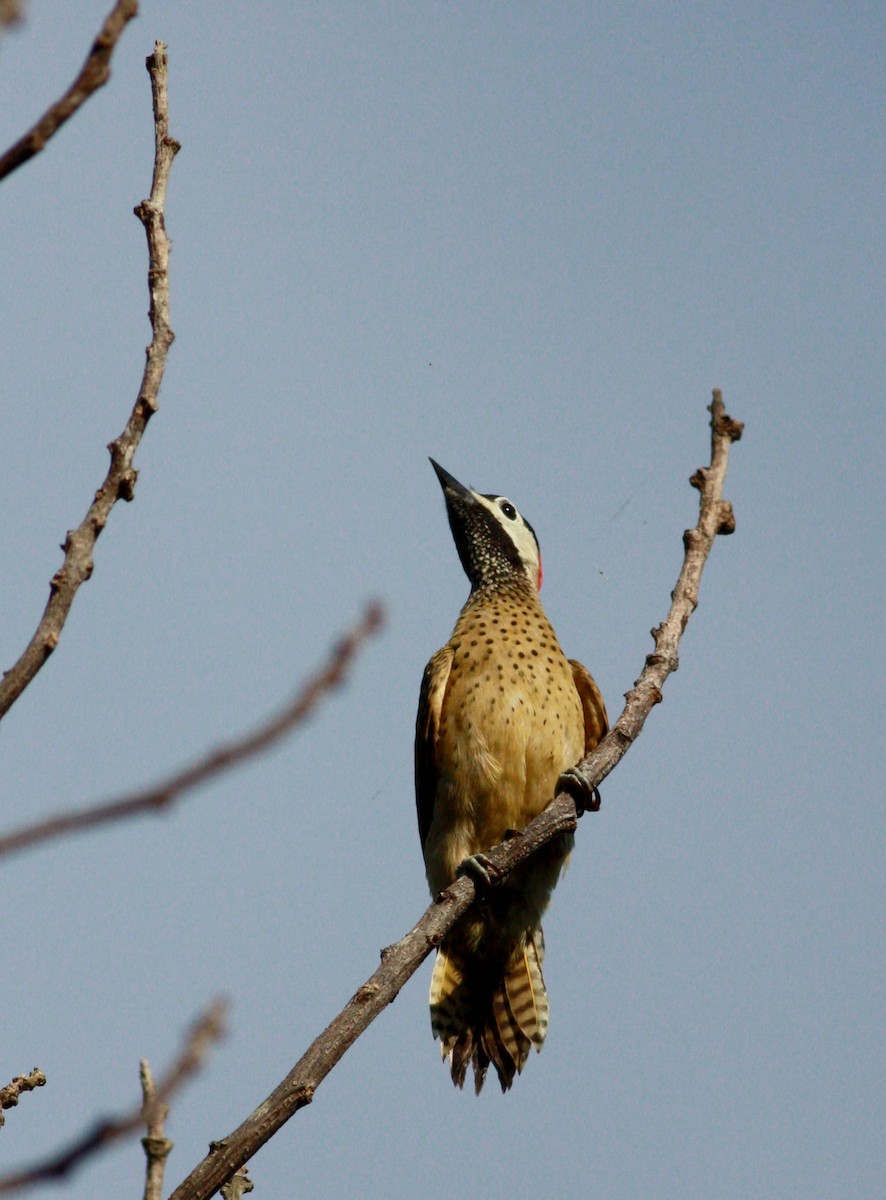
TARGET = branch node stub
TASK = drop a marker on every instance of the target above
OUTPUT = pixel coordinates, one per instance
(623, 736)
(727, 519)
(302, 1096)
(730, 428)
(157, 1147)
(158, 57)
(126, 485)
(698, 479)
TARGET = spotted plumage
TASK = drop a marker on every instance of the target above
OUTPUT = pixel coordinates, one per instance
(502, 714)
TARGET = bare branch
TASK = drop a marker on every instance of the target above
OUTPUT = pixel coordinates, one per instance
(215, 761)
(715, 516)
(120, 480)
(156, 1144)
(207, 1029)
(22, 1083)
(400, 961)
(94, 73)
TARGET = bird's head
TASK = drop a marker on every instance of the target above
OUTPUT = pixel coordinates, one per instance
(495, 544)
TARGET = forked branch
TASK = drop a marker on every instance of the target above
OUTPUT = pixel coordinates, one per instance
(206, 1030)
(400, 961)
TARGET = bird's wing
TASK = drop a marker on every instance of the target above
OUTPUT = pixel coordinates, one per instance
(596, 721)
(427, 726)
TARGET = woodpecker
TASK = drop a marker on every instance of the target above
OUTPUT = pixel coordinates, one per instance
(502, 715)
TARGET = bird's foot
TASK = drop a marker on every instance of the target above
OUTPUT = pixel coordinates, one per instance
(586, 796)
(481, 869)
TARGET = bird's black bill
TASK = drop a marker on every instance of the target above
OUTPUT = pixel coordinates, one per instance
(448, 482)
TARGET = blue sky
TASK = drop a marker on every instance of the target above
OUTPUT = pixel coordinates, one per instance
(527, 240)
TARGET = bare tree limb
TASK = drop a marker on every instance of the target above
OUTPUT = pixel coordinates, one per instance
(120, 480)
(715, 516)
(94, 73)
(400, 961)
(156, 1144)
(22, 1083)
(207, 1029)
(221, 758)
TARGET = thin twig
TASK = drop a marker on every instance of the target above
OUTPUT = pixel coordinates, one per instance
(22, 1083)
(120, 480)
(221, 758)
(238, 1185)
(156, 1144)
(95, 72)
(207, 1029)
(400, 961)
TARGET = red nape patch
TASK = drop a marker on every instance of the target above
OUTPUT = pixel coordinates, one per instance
(539, 572)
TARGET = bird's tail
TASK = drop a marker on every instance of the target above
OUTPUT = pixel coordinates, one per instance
(482, 1018)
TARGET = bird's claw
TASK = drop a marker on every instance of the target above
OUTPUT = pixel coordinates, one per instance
(585, 795)
(480, 868)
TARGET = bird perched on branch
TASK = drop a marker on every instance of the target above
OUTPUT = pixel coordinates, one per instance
(501, 716)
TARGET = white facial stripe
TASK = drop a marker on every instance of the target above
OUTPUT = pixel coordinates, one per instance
(517, 530)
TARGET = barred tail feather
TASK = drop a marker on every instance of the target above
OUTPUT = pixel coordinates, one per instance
(447, 998)
(527, 995)
(479, 1021)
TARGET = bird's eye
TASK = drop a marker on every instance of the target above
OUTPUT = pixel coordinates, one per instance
(508, 509)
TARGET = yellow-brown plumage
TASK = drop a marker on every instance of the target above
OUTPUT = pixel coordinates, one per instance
(502, 714)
